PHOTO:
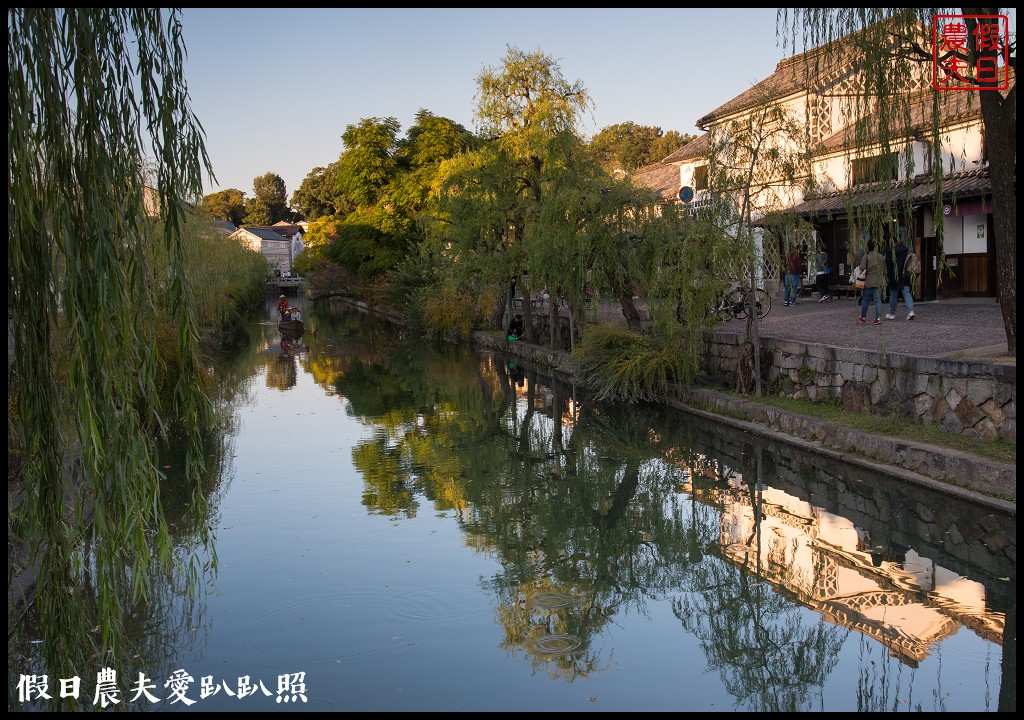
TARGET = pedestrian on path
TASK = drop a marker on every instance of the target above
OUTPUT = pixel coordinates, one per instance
(821, 275)
(896, 270)
(874, 265)
(793, 262)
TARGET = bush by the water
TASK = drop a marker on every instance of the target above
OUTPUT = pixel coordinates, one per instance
(626, 366)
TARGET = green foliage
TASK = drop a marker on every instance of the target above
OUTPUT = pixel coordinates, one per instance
(625, 366)
(628, 146)
(320, 194)
(448, 314)
(368, 165)
(409, 285)
(226, 205)
(370, 241)
(257, 214)
(83, 288)
(272, 195)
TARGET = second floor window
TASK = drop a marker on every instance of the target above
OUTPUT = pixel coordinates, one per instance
(876, 168)
(700, 177)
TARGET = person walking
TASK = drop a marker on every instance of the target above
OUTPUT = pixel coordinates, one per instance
(896, 270)
(821, 276)
(793, 263)
(873, 265)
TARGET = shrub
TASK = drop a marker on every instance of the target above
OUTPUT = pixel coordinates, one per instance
(623, 365)
(449, 314)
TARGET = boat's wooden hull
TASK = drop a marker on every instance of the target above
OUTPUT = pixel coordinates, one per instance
(292, 327)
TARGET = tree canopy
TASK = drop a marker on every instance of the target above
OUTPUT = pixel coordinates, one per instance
(98, 109)
(226, 205)
(271, 198)
(627, 146)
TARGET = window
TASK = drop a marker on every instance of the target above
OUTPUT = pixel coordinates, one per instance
(700, 177)
(875, 169)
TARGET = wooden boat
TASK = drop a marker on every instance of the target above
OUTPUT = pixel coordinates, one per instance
(295, 328)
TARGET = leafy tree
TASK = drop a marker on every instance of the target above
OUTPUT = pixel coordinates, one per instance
(271, 193)
(82, 83)
(320, 195)
(226, 205)
(755, 161)
(667, 144)
(368, 164)
(628, 146)
(257, 213)
(888, 45)
(428, 143)
(533, 114)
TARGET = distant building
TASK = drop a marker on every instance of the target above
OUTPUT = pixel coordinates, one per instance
(277, 248)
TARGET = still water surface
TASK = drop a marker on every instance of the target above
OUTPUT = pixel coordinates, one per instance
(424, 528)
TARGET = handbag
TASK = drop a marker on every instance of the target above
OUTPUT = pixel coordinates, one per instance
(859, 277)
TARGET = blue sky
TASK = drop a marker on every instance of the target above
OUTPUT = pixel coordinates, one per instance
(275, 88)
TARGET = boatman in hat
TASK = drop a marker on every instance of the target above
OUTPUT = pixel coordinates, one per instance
(282, 308)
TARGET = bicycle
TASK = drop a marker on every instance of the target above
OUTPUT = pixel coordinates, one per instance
(735, 303)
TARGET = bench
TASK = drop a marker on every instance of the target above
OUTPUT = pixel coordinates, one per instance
(844, 290)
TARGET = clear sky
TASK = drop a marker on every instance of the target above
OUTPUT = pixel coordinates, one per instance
(275, 88)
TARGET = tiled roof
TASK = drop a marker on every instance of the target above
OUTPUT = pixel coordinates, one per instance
(811, 70)
(659, 177)
(814, 71)
(286, 228)
(964, 105)
(264, 233)
(962, 185)
(699, 147)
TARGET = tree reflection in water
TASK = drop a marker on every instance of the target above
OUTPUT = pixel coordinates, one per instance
(595, 516)
(591, 513)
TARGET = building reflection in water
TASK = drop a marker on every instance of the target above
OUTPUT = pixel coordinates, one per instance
(894, 595)
(902, 599)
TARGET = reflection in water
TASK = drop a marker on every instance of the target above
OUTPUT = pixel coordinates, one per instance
(635, 557)
(604, 510)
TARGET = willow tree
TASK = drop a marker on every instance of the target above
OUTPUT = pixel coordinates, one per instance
(890, 49)
(755, 162)
(528, 107)
(98, 109)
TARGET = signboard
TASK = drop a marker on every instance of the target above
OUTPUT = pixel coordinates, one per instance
(686, 194)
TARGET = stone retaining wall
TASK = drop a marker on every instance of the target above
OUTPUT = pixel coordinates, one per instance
(964, 396)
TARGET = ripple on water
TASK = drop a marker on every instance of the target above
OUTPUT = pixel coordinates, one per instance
(440, 604)
(550, 600)
(553, 645)
(330, 628)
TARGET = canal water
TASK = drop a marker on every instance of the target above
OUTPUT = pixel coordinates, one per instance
(403, 526)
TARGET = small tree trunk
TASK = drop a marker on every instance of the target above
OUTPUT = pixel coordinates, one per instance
(629, 312)
(531, 331)
(552, 319)
(753, 327)
(500, 307)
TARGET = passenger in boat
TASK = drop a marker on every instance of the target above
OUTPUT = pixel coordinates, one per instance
(294, 313)
(282, 308)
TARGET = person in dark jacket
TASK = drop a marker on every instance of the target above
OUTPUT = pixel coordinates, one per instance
(821, 275)
(515, 328)
(896, 271)
(873, 265)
